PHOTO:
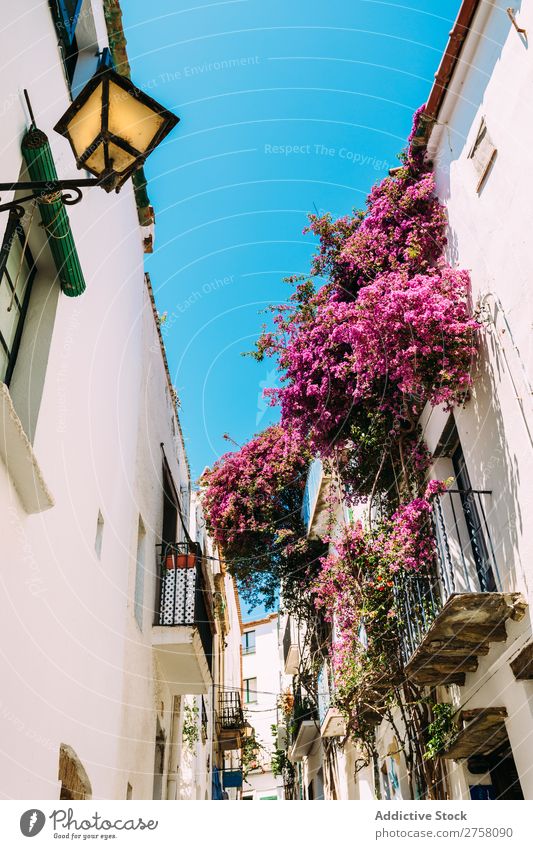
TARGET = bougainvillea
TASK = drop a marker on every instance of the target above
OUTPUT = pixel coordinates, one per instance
(403, 337)
(252, 501)
(388, 330)
(250, 492)
(355, 589)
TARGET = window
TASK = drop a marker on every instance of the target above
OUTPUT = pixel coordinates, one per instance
(250, 690)
(482, 154)
(17, 271)
(139, 575)
(65, 14)
(248, 642)
(478, 543)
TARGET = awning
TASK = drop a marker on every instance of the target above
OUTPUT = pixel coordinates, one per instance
(38, 157)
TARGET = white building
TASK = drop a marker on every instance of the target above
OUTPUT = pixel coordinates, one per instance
(476, 655)
(476, 134)
(261, 683)
(110, 639)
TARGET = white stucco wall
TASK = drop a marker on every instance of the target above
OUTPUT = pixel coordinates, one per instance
(489, 235)
(76, 667)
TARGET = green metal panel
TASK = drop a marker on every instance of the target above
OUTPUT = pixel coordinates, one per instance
(40, 163)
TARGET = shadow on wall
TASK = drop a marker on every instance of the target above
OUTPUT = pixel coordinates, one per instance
(492, 462)
(472, 93)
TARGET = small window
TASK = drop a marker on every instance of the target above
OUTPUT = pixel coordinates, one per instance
(248, 642)
(482, 154)
(99, 538)
(17, 271)
(250, 690)
(65, 14)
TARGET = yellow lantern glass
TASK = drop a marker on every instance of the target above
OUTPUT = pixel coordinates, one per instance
(113, 127)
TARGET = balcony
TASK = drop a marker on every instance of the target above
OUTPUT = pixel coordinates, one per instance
(182, 635)
(289, 782)
(291, 649)
(481, 732)
(331, 721)
(315, 500)
(449, 618)
(230, 721)
(304, 730)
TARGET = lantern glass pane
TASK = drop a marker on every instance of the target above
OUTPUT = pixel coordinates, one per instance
(87, 123)
(131, 120)
(96, 161)
(120, 159)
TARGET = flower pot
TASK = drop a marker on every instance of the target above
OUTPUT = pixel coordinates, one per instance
(170, 561)
(186, 561)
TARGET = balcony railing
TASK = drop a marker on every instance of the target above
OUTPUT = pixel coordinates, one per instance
(449, 616)
(182, 593)
(230, 712)
(465, 563)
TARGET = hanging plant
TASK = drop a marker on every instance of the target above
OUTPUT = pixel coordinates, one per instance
(190, 730)
(441, 730)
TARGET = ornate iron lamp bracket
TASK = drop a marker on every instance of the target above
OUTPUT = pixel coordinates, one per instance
(69, 191)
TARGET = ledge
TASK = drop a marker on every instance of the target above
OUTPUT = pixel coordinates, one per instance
(522, 665)
(17, 453)
(307, 735)
(333, 724)
(483, 732)
(182, 659)
(463, 630)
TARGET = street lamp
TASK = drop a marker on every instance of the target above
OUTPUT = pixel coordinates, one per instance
(112, 128)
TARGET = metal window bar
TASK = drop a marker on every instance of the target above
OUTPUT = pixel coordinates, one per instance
(13, 241)
(420, 597)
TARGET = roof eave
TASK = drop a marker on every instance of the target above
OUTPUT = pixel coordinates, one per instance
(445, 72)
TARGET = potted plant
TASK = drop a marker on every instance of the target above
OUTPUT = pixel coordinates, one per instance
(180, 560)
(186, 561)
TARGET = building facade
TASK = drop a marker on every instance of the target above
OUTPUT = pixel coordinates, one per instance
(466, 630)
(261, 673)
(113, 642)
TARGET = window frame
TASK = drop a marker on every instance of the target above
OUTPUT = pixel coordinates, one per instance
(247, 691)
(65, 26)
(65, 21)
(246, 648)
(14, 229)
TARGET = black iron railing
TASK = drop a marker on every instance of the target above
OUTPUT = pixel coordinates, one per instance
(465, 563)
(230, 712)
(182, 593)
(303, 711)
(289, 782)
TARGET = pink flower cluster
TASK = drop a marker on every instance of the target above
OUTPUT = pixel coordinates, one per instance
(244, 494)
(402, 336)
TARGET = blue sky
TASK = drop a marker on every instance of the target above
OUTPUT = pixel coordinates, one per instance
(286, 107)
